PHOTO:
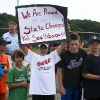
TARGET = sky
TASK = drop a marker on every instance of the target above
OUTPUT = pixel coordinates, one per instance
(77, 9)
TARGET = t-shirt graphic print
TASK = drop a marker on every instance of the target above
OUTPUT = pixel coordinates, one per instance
(17, 76)
(42, 79)
(74, 63)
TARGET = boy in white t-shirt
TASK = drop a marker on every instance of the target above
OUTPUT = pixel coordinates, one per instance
(42, 80)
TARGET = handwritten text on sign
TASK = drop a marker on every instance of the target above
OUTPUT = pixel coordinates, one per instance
(39, 24)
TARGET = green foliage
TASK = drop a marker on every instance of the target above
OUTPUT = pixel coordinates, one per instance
(76, 24)
(84, 25)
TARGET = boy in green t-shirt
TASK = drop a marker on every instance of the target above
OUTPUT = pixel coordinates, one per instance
(17, 77)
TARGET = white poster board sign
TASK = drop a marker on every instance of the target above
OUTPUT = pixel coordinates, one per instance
(41, 23)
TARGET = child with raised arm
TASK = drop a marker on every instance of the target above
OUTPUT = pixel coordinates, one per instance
(17, 77)
(91, 70)
(42, 80)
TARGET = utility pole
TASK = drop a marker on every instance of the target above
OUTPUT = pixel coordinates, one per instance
(17, 2)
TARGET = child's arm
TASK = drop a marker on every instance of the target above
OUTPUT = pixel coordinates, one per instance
(11, 79)
(61, 88)
(91, 76)
(25, 50)
(30, 47)
(60, 48)
(86, 67)
(59, 74)
(15, 85)
(54, 48)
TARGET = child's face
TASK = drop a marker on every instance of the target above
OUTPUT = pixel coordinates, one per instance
(73, 46)
(43, 51)
(3, 47)
(94, 46)
(82, 44)
(18, 60)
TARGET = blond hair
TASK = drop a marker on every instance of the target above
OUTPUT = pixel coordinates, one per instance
(12, 23)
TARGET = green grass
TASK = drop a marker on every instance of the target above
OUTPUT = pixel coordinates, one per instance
(34, 49)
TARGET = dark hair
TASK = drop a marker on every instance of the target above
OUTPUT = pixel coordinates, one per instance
(74, 37)
(17, 53)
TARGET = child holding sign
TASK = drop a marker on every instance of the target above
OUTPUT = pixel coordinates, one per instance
(42, 80)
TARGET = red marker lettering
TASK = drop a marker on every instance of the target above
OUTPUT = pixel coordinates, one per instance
(25, 16)
(27, 30)
(25, 38)
(40, 27)
(36, 13)
(46, 12)
(49, 26)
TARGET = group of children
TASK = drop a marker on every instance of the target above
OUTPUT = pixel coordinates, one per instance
(73, 64)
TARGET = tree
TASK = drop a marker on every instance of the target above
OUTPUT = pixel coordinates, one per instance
(76, 24)
(84, 25)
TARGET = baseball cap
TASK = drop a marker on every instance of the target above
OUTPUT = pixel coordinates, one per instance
(3, 41)
(43, 45)
(92, 39)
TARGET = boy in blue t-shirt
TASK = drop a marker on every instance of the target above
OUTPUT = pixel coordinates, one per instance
(91, 70)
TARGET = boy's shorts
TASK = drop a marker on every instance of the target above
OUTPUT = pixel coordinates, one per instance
(42, 97)
(72, 94)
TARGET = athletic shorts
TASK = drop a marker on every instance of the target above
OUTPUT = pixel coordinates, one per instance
(42, 97)
(72, 94)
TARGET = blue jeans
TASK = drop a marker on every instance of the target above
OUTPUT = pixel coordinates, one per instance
(72, 94)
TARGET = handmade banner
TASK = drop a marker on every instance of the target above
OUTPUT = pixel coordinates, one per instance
(41, 23)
